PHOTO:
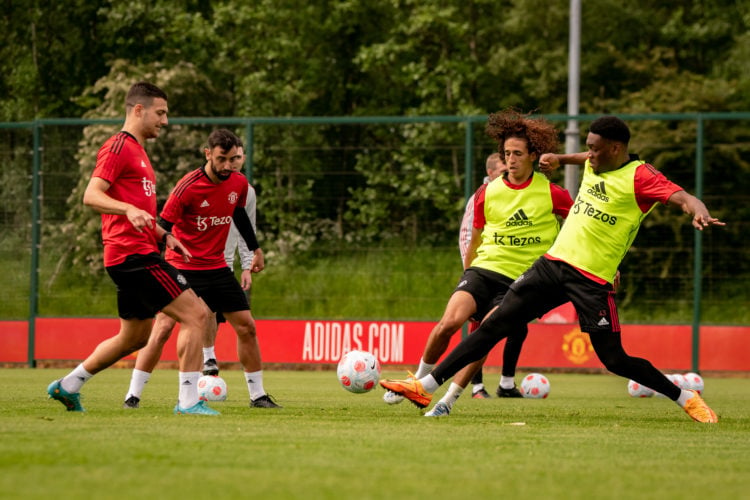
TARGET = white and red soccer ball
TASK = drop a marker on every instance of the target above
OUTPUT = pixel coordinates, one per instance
(212, 388)
(358, 371)
(690, 381)
(694, 382)
(639, 390)
(535, 385)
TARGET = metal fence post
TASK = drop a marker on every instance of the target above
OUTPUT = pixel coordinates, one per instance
(35, 238)
(698, 247)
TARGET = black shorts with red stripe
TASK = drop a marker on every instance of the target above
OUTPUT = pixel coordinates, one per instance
(145, 285)
(550, 283)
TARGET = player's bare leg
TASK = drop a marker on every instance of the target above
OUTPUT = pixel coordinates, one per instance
(147, 358)
(132, 336)
(193, 315)
(460, 308)
(460, 381)
(248, 351)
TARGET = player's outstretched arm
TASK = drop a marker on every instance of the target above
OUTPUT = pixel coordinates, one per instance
(695, 208)
(552, 161)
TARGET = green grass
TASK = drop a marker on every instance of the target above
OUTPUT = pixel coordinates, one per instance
(589, 439)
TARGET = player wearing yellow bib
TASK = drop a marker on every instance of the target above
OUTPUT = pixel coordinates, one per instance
(617, 192)
(514, 223)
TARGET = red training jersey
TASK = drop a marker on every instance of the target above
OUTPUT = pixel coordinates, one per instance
(651, 186)
(124, 164)
(201, 212)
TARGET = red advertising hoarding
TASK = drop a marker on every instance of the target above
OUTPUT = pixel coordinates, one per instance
(549, 345)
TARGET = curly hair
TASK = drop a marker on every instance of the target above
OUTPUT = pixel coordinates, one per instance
(540, 135)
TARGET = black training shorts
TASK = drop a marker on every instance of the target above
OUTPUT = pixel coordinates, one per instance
(486, 287)
(145, 285)
(219, 289)
(550, 283)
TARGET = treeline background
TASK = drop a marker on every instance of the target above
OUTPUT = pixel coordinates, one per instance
(361, 220)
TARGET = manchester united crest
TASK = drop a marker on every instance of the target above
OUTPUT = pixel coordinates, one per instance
(577, 346)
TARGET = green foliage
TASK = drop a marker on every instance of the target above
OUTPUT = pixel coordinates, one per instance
(411, 189)
(333, 184)
(589, 439)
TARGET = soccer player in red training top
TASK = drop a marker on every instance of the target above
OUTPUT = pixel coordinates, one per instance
(617, 192)
(123, 189)
(515, 223)
(200, 210)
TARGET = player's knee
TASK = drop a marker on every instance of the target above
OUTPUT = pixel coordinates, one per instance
(246, 330)
(201, 317)
(447, 327)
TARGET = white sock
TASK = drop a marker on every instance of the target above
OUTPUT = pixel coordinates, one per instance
(476, 388)
(454, 392)
(684, 396)
(424, 369)
(137, 381)
(73, 381)
(429, 384)
(188, 396)
(255, 384)
(507, 382)
(209, 353)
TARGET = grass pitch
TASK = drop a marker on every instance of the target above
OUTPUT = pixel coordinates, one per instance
(589, 439)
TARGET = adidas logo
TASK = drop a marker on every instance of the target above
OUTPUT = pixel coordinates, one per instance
(143, 164)
(187, 382)
(603, 322)
(598, 191)
(519, 219)
(204, 204)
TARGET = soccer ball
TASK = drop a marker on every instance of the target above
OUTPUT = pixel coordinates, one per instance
(358, 371)
(639, 391)
(694, 382)
(677, 379)
(535, 385)
(212, 388)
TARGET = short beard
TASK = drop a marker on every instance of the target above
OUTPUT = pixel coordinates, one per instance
(220, 176)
